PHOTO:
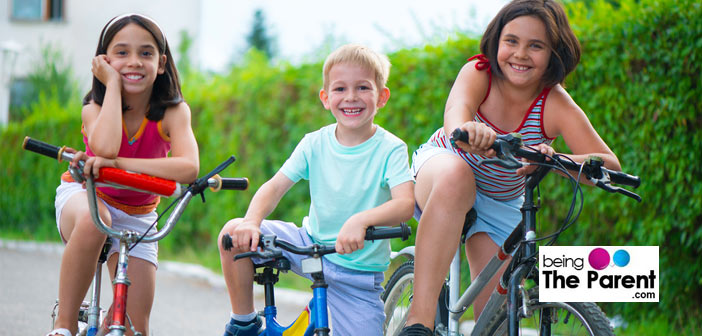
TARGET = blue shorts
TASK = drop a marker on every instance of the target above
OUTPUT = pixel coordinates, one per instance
(353, 297)
(496, 218)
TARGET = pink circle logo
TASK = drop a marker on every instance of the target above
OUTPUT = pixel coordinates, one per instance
(599, 258)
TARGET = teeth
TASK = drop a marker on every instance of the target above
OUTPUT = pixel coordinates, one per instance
(134, 77)
(351, 111)
(519, 67)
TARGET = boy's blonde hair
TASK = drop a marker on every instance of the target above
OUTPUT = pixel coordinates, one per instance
(358, 55)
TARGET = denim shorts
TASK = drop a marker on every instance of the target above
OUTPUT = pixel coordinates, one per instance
(353, 297)
(496, 218)
(120, 221)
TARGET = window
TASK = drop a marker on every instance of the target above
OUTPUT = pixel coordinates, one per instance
(37, 10)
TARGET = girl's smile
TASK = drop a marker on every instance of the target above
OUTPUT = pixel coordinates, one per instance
(133, 77)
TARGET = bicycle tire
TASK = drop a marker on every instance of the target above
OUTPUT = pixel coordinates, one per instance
(397, 299)
(590, 318)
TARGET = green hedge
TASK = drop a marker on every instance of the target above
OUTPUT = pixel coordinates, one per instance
(639, 82)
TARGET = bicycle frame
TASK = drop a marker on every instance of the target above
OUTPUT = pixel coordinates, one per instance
(117, 324)
(509, 287)
(522, 239)
(313, 319)
(510, 282)
(117, 178)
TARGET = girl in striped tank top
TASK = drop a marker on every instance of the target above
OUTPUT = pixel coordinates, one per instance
(515, 85)
(133, 116)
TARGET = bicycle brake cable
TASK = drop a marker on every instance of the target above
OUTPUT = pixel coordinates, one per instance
(569, 220)
(165, 211)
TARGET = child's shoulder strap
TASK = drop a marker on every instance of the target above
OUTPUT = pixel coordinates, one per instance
(483, 64)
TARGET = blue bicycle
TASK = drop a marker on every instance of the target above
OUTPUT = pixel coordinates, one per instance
(314, 319)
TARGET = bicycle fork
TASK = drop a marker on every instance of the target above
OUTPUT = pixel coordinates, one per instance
(121, 282)
(94, 308)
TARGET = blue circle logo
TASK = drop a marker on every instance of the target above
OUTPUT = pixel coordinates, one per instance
(621, 258)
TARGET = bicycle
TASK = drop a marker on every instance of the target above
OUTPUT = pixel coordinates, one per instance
(510, 302)
(313, 320)
(94, 320)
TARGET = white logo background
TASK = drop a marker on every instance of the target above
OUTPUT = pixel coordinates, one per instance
(566, 275)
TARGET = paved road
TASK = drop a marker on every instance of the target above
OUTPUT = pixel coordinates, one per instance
(190, 300)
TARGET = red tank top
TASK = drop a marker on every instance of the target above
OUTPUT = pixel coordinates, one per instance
(149, 142)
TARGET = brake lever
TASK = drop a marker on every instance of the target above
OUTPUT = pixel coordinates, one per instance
(506, 158)
(201, 183)
(264, 254)
(628, 193)
(610, 188)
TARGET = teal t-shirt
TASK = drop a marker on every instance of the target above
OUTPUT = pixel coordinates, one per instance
(345, 181)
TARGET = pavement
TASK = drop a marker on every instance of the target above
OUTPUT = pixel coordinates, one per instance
(189, 299)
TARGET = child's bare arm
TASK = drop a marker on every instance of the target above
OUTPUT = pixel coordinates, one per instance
(466, 95)
(393, 212)
(103, 124)
(262, 204)
(564, 117)
(183, 164)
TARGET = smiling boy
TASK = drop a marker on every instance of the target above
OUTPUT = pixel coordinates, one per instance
(359, 177)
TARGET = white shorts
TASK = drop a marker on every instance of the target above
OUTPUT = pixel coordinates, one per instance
(496, 218)
(120, 221)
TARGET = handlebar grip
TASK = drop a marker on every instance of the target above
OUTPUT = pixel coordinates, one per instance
(458, 134)
(403, 231)
(42, 148)
(227, 242)
(139, 181)
(624, 178)
(235, 183)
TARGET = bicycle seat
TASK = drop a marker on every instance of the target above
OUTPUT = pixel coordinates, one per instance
(471, 217)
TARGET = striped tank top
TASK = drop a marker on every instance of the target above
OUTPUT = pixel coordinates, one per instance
(492, 180)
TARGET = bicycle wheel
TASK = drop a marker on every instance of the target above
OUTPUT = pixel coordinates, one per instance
(397, 299)
(563, 318)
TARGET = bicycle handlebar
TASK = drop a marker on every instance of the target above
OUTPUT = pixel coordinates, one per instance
(112, 177)
(271, 246)
(119, 178)
(509, 146)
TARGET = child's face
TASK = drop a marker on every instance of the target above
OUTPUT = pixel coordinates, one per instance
(133, 52)
(524, 51)
(353, 96)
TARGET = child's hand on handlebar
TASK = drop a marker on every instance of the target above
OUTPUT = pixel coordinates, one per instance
(481, 138)
(94, 163)
(543, 149)
(352, 235)
(245, 236)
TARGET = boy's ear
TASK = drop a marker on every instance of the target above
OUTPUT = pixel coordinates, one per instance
(383, 97)
(324, 97)
(162, 64)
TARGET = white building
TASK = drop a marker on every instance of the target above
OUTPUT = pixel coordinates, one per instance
(73, 27)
